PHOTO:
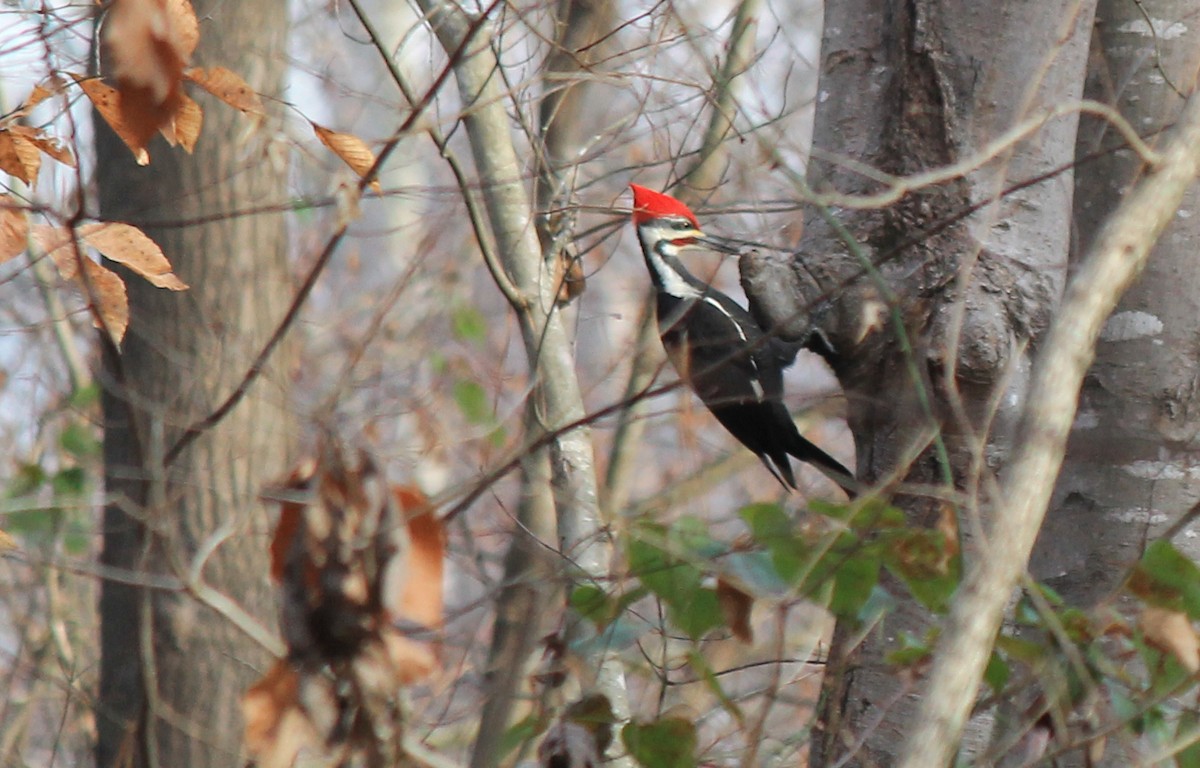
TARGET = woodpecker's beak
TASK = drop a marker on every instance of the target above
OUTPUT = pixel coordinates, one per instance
(719, 244)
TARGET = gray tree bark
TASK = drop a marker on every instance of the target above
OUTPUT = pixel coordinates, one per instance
(931, 351)
(1131, 460)
(172, 670)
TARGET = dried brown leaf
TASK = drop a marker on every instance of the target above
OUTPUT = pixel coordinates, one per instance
(108, 103)
(14, 228)
(417, 597)
(128, 245)
(1172, 632)
(110, 303)
(228, 86)
(736, 606)
(148, 47)
(103, 289)
(276, 726)
(7, 543)
(352, 150)
(52, 146)
(18, 155)
(42, 91)
(184, 126)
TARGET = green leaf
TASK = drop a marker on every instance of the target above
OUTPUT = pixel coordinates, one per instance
(85, 397)
(666, 743)
(592, 603)
(757, 572)
(601, 608)
(871, 514)
(1167, 578)
(767, 522)
(36, 525)
(469, 324)
(689, 537)
(691, 608)
(28, 479)
(521, 732)
(853, 582)
(472, 400)
(79, 440)
(1167, 675)
(996, 673)
(911, 652)
(772, 529)
(70, 482)
(1188, 730)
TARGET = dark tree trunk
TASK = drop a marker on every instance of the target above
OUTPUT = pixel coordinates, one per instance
(172, 670)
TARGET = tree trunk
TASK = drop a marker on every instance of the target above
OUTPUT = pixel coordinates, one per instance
(1137, 410)
(926, 348)
(1129, 464)
(172, 669)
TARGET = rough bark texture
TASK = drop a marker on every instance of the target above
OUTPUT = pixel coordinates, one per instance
(172, 670)
(1138, 413)
(907, 87)
(1131, 459)
(1110, 267)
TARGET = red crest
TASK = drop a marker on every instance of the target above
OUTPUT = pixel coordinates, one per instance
(648, 204)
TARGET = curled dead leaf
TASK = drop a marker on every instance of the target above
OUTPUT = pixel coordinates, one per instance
(14, 228)
(103, 289)
(106, 294)
(52, 146)
(42, 91)
(148, 44)
(736, 606)
(228, 86)
(352, 150)
(344, 553)
(108, 103)
(184, 126)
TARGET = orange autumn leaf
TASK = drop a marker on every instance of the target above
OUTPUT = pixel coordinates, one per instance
(14, 228)
(228, 86)
(420, 598)
(104, 291)
(51, 146)
(18, 155)
(148, 44)
(352, 151)
(42, 91)
(276, 726)
(130, 246)
(184, 126)
(107, 101)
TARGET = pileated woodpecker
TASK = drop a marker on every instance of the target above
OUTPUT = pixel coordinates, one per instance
(718, 348)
